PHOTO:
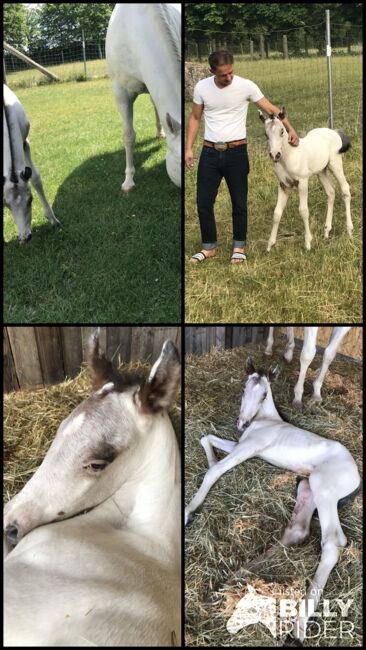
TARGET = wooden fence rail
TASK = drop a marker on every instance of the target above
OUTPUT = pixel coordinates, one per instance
(39, 356)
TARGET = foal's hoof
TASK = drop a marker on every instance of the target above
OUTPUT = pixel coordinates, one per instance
(297, 404)
(188, 516)
(127, 188)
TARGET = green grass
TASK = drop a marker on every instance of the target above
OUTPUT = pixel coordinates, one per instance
(289, 284)
(117, 257)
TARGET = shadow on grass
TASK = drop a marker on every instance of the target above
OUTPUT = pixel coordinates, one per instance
(117, 258)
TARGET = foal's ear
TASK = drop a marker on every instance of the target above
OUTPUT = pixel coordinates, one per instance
(160, 389)
(101, 369)
(281, 115)
(261, 116)
(249, 367)
(273, 374)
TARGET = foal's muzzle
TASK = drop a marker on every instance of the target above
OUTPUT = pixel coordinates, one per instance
(13, 533)
(276, 157)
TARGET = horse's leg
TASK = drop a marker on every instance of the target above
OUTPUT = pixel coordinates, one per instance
(283, 194)
(329, 482)
(160, 133)
(330, 192)
(37, 184)
(210, 441)
(290, 344)
(336, 167)
(330, 351)
(307, 355)
(269, 344)
(304, 210)
(125, 101)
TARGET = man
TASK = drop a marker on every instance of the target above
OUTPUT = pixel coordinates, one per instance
(224, 100)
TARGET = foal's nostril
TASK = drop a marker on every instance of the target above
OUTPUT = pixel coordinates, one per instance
(13, 534)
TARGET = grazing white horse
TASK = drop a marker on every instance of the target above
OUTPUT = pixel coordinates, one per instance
(330, 473)
(109, 576)
(19, 168)
(317, 153)
(143, 50)
(307, 355)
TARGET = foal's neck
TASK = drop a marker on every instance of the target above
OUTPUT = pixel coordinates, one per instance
(268, 409)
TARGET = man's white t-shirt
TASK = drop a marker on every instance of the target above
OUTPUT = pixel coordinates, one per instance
(225, 109)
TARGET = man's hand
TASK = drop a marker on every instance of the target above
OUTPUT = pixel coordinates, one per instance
(293, 138)
(189, 158)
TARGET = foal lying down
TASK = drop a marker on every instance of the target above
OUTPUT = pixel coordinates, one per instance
(330, 473)
(109, 576)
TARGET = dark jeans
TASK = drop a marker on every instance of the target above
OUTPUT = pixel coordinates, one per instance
(233, 165)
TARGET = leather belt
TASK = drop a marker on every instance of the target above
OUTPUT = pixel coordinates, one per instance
(222, 146)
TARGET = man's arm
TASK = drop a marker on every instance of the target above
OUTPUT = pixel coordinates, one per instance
(192, 130)
(269, 108)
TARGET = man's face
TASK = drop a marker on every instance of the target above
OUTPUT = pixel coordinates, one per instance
(224, 74)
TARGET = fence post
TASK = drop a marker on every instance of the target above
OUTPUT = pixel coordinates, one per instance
(84, 57)
(329, 64)
(285, 48)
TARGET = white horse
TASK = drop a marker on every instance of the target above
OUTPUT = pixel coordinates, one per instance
(97, 528)
(307, 355)
(317, 153)
(143, 49)
(19, 168)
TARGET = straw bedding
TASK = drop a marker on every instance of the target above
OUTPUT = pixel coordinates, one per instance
(249, 507)
(32, 417)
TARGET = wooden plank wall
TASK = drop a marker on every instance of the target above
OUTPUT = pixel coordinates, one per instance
(199, 340)
(40, 356)
(351, 344)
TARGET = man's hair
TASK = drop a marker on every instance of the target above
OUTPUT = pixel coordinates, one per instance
(220, 57)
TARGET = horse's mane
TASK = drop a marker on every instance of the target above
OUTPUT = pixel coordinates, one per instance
(172, 31)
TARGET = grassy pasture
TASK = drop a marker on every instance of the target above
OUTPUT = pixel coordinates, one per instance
(117, 258)
(289, 284)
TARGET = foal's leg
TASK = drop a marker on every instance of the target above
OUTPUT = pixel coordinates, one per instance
(125, 100)
(307, 355)
(330, 192)
(330, 481)
(210, 441)
(298, 527)
(37, 184)
(304, 210)
(241, 452)
(330, 351)
(283, 194)
(336, 167)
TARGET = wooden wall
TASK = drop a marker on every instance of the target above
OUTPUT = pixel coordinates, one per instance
(199, 340)
(39, 356)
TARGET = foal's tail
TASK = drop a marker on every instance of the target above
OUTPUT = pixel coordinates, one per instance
(346, 142)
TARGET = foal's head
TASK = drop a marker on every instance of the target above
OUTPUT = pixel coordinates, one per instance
(99, 445)
(275, 132)
(255, 393)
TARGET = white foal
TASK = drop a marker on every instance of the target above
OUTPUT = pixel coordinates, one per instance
(307, 355)
(96, 529)
(317, 153)
(331, 474)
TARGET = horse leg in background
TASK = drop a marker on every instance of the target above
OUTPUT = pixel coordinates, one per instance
(283, 194)
(330, 351)
(336, 166)
(290, 344)
(307, 355)
(330, 192)
(160, 133)
(210, 441)
(269, 343)
(125, 100)
(304, 210)
(37, 184)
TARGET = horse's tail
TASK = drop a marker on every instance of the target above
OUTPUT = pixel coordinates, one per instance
(346, 142)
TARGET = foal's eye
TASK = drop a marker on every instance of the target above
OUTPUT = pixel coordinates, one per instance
(95, 467)
(281, 131)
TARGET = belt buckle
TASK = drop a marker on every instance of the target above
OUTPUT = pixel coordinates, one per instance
(220, 146)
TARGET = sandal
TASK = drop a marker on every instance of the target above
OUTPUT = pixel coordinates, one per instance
(238, 256)
(200, 257)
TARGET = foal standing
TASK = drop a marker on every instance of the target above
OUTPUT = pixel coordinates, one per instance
(331, 474)
(319, 151)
